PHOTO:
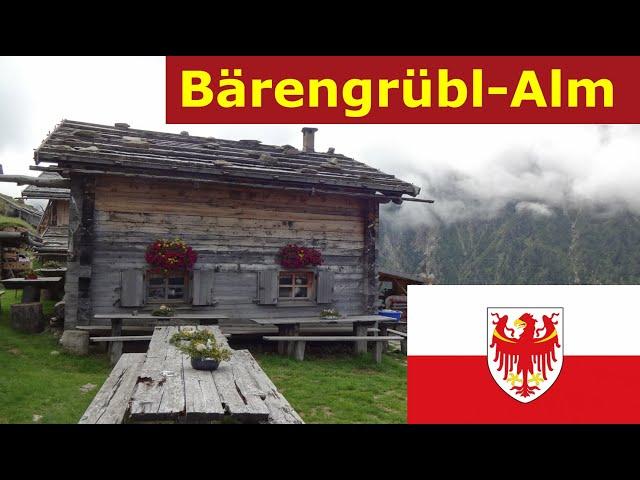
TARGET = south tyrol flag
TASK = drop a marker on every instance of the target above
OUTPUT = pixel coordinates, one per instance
(523, 354)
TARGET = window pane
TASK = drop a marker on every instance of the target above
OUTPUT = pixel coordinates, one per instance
(175, 293)
(156, 281)
(286, 279)
(301, 292)
(284, 292)
(301, 279)
(156, 293)
(176, 280)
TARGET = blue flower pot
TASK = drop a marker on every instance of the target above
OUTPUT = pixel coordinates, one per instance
(204, 363)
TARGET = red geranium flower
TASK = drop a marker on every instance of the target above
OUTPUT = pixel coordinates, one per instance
(293, 256)
(170, 255)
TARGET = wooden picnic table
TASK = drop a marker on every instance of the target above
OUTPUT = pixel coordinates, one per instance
(170, 389)
(31, 287)
(116, 318)
(291, 327)
(163, 387)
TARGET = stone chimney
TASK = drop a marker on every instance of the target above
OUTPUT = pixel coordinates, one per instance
(308, 139)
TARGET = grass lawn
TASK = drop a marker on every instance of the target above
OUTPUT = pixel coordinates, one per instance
(341, 388)
(39, 386)
(33, 381)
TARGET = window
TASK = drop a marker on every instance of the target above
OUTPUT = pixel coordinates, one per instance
(171, 288)
(295, 285)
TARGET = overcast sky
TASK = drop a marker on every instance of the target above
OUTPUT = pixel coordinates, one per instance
(470, 170)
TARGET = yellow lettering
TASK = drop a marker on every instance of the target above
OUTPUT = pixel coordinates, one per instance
(232, 96)
(425, 93)
(257, 86)
(362, 104)
(477, 87)
(314, 92)
(444, 84)
(189, 88)
(528, 79)
(289, 87)
(383, 92)
(556, 87)
(590, 92)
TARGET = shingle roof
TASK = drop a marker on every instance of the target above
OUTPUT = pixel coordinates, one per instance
(23, 207)
(46, 192)
(82, 145)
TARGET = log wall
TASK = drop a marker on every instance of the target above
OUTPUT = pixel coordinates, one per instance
(237, 231)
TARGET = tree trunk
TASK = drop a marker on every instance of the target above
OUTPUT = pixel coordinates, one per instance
(27, 317)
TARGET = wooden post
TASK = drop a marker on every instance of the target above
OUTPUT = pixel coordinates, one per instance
(383, 333)
(370, 256)
(81, 227)
(282, 346)
(298, 352)
(360, 330)
(403, 346)
(293, 330)
(30, 294)
(377, 351)
(115, 350)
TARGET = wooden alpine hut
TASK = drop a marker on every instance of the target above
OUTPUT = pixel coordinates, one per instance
(236, 204)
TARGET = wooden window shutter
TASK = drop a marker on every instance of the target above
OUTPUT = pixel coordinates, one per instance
(268, 287)
(132, 288)
(325, 286)
(203, 287)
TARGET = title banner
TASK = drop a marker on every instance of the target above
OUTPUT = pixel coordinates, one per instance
(402, 89)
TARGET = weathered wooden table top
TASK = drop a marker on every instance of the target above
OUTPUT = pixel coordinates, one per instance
(148, 316)
(169, 389)
(304, 320)
(15, 283)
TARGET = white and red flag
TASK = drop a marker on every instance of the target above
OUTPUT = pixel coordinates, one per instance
(524, 354)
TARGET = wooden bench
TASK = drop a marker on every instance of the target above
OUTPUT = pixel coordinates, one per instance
(126, 338)
(117, 343)
(112, 400)
(403, 342)
(298, 343)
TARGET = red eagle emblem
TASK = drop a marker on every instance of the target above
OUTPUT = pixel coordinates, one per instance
(524, 349)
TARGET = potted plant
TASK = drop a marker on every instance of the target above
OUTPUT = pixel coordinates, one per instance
(51, 264)
(294, 256)
(330, 314)
(201, 347)
(30, 274)
(163, 311)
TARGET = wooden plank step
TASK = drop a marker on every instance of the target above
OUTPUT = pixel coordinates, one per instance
(125, 338)
(330, 339)
(112, 400)
(107, 328)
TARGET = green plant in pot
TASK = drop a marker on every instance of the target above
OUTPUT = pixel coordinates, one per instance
(201, 346)
(330, 314)
(163, 311)
(51, 264)
(30, 275)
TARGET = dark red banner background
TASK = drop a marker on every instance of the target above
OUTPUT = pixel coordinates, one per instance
(623, 72)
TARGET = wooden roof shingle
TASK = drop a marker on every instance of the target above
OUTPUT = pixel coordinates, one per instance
(78, 145)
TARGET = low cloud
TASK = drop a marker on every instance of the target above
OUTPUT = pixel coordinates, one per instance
(539, 209)
(573, 167)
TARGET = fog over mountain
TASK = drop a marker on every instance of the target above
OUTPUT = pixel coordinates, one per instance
(598, 169)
